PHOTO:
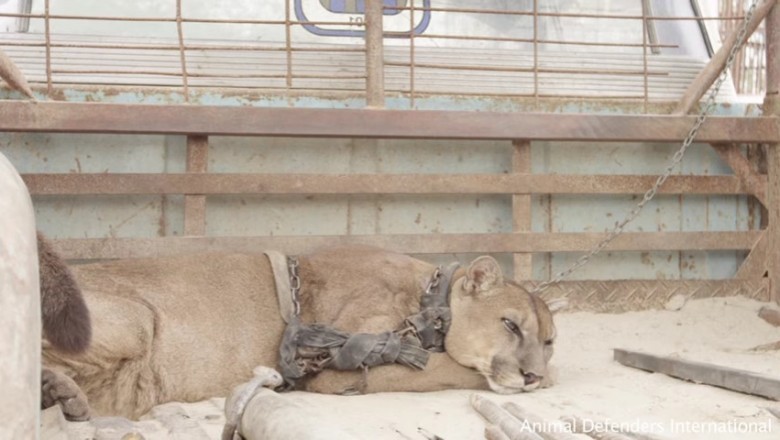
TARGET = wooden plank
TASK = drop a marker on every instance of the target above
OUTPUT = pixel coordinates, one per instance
(752, 181)
(70, 117)
(195, 205)
(209, 183)
(724, 377)
(88, 248)
(521, 210)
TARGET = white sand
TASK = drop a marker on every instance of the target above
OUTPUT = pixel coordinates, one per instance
(590, 383)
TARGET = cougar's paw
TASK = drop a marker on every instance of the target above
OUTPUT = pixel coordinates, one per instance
(59, 389)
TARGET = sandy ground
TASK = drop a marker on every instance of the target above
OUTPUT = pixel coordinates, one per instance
(590, 385)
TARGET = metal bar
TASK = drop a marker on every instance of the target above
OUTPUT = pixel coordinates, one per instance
(202, 75)
(411, 55)
(742, 381)
(772, 107)
(288, 46)
(176, 47)
(100, 248)
(394, 8)
(47, 33)
(69, 117)
(743, 170)
(521, 210)
(182, 53)
(195, 205)
(530, 40)
(712, 70)
(516, 183)
(582, 71)
(754, 265)
(645, 70)
(375, 55)
(651, 31)
(536, 54)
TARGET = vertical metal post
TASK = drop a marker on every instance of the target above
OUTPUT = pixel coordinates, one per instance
(772, 108)
(521, 210)
(47, 33)
(375, 54)
(195, 205)
(182, 52)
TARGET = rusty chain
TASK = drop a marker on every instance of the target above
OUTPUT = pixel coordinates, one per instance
(706, 109)
(295, 284)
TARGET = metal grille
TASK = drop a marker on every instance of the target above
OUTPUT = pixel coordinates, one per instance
(749, 71)
(297, 47)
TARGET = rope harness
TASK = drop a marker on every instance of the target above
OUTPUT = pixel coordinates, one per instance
(307, 349)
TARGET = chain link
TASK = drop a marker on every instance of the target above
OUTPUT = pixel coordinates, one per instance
(295, 284)
(434, 282)
(706, 109)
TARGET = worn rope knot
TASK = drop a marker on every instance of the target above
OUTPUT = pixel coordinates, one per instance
(309, 349)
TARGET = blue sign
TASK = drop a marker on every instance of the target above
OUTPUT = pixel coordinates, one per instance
(335, 10)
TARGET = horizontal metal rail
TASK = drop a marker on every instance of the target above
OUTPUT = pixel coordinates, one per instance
(224, 183)
(60, 117)
(101, 248)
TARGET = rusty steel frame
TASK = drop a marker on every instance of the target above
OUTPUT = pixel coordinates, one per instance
(199, 122)
(70, 117)
(375, 62)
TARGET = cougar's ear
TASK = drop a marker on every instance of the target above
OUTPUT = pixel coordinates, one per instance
(558, 304)
(483, 274)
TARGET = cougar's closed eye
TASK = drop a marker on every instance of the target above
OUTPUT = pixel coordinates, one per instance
(512, 327)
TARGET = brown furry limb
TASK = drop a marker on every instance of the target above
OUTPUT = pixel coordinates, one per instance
(66, 321)
(13, 76)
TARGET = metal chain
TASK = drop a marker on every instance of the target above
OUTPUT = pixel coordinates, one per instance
(709, 104)
(295, 283)
(434, 282)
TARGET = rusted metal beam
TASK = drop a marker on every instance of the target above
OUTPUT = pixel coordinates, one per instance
(99, 248)
(521, 210)
(195, 205)
(712, 70)
(751, 180)
(772, 107)
(212, 183)
(754, 265)
(64, 117)
(375, 54)
(742, 381)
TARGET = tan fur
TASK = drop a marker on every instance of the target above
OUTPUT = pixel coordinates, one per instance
(193, 327)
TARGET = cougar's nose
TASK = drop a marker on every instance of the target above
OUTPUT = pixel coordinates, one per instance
(530, 378)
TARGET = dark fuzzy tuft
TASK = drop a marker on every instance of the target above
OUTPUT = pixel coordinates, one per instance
(66, 322)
